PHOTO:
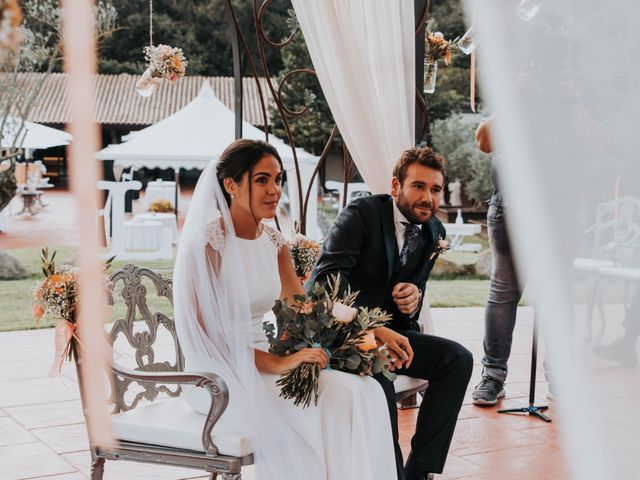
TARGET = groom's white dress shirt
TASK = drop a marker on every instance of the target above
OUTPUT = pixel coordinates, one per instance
(400, 220)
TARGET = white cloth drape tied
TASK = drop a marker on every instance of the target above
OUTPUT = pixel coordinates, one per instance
(364, 54)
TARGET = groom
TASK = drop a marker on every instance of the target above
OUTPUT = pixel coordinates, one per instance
(385, 247)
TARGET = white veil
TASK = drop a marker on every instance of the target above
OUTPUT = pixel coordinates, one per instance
(213, 321)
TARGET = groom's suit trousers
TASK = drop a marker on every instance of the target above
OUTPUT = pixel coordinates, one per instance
(447, 365)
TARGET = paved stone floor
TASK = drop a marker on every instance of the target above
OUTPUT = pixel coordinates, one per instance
(42, 434)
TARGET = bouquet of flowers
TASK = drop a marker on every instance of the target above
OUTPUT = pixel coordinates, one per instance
(304, 253)
(55, 298)
(165, 62)
(161, 205)
(322, 320)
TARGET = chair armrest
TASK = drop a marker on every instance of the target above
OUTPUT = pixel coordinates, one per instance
(212, 383)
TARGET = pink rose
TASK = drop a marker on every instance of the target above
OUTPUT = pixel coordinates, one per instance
(343, 313)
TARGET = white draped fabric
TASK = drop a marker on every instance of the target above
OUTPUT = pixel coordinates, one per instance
(567, 135)
(363, 53)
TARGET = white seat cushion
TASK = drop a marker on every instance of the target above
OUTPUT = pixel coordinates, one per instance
(591, 264)
(404, 383)
(173, 423)
(622, 273)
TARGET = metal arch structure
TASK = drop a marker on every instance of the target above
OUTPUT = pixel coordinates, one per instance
(239, 45)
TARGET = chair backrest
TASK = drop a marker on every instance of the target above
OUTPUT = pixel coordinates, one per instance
(21, 173)
(617, 228)
(354, 190)
(128, 176)
(151, 334)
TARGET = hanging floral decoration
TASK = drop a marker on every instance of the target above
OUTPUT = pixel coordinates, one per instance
(436, 48)
(165, 63)
(10, 18)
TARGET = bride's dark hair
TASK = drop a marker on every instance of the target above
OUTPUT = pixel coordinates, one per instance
(240, 157)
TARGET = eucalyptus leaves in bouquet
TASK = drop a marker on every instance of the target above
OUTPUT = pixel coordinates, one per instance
(326, 320)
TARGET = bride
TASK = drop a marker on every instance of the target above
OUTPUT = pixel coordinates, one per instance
(229, 270)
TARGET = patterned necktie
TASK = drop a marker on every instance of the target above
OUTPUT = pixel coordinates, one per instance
(410, 237)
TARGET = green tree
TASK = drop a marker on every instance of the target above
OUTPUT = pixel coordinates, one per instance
(454, 138)
(199, 27)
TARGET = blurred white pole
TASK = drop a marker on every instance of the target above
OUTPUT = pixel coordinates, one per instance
(80, 64)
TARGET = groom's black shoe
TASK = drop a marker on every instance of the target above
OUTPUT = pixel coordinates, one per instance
(411, 474)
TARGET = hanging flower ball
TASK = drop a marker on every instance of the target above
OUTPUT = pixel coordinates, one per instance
(165, 63)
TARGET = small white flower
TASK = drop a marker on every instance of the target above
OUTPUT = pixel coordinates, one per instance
(343, 313)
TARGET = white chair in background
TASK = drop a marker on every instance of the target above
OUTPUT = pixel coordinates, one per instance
(354, 190)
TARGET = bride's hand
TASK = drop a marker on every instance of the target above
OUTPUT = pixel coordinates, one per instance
(308, 355)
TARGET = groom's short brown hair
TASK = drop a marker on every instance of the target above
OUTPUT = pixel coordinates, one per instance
(425, 156)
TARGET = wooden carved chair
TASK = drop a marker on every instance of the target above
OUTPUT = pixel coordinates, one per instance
(151, 420)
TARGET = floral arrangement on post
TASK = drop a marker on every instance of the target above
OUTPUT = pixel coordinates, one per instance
(165, 63)
(323, 320)
(161, 205)
(436, 48)
(304, 253)
(55, 298)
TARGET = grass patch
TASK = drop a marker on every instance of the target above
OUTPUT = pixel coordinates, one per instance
(17, 295)
(458, 293)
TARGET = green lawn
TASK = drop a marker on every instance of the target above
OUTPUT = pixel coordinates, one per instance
(17, 295)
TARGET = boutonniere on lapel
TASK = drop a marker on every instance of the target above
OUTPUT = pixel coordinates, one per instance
(441, 246)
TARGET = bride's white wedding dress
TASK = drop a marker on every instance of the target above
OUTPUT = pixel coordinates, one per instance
(349, 430)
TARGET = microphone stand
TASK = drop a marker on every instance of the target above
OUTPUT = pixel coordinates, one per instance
(532, 409)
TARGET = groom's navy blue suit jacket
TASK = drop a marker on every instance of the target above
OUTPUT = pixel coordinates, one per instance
(362, 247)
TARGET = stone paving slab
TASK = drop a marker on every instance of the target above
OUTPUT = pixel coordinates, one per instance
(31, 460)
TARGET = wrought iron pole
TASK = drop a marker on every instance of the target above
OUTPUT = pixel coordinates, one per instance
(421, 9)
(237, 73)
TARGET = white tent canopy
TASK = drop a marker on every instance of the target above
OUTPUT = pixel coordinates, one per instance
(199, 133)
(190, 138)
(32, 135)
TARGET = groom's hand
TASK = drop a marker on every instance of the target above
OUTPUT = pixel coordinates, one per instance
(407, 297)
(400, 350)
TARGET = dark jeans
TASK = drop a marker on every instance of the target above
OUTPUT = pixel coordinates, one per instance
(504, 295)
(447, 365)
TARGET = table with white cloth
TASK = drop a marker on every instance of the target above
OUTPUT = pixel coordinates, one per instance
(160, 190)
(140, 236)
(167, 219)
(457, 232)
